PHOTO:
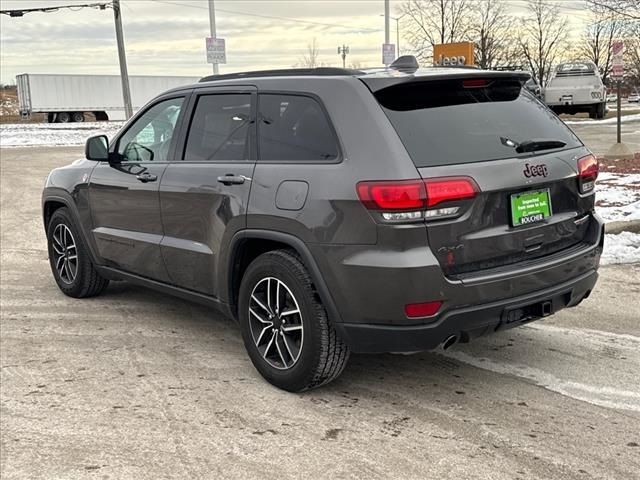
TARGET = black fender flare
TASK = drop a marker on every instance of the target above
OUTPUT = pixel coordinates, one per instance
(296, 244)
(62, 196)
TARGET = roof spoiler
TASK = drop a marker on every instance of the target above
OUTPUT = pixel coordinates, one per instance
(378, 83)
(405, 63)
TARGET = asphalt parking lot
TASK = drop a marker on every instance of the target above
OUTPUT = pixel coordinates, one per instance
(138, 385)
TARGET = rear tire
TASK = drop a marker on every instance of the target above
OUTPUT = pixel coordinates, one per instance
(305, 351)
(69, 258)
(63, 117)
(601, 110)
(78, 117)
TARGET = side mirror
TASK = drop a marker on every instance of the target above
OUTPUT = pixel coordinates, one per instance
(97, 148)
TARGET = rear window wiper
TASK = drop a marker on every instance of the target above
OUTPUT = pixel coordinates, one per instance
(533, 145)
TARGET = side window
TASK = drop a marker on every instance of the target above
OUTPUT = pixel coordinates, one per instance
(149, 137)
(293, 127)
(219, 129)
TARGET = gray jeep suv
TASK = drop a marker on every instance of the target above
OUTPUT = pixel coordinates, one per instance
(331, 211)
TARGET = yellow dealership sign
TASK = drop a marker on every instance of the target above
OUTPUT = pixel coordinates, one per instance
(451, 54)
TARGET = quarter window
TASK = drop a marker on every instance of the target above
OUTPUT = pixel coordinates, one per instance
(149, 138)
(220, 128)
(294, 128)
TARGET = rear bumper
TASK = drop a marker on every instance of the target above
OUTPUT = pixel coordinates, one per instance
(371, 284)
(467, 323)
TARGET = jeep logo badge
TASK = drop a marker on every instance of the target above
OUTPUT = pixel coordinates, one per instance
(535, 170)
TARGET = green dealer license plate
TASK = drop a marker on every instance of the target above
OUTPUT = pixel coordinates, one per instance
(530, 207)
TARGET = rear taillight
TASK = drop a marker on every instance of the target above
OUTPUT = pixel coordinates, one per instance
(450, 188)
(410, 200)
(401, 195)
(587, 173)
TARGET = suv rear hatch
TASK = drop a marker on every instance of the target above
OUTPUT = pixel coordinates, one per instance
(506, 181)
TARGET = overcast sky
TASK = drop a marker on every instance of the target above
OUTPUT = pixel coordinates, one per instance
(166, 37)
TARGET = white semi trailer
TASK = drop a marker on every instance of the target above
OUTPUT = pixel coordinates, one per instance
(67, 98)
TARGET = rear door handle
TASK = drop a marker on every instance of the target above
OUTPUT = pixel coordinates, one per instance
(231, 179)
(147, 177)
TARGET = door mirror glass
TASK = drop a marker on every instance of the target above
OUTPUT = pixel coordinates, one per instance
(97, 148)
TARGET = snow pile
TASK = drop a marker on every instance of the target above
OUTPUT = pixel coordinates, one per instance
(608, 121)
(54, 134)
(618, 196)
(621, 248)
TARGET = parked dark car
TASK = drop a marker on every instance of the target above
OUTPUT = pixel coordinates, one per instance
(331, 211)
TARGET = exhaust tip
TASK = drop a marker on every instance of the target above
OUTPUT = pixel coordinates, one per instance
(449, 341)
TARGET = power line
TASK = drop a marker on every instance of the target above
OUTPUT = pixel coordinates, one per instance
(19, 12)
(273, 17)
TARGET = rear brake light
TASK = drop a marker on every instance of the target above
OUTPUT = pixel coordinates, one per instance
(419, 310)
(410, 200)
(587, 173)
(450, 188)
(475, 83)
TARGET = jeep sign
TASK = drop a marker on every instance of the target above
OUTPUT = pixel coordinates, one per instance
(453, 54)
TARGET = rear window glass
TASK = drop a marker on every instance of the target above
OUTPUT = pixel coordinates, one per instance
(443, 123)
(294, 128)
(220, 128)
(579, 68)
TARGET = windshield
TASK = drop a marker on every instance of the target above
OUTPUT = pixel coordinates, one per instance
(443, 123)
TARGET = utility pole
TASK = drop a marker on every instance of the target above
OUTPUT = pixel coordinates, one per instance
(212, 27)
(397, 19)
(124, 74)
(398, 35)
(343, 51)
(386, 21)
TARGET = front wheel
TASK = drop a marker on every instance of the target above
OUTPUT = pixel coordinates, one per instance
(284, 325)
(71, 265)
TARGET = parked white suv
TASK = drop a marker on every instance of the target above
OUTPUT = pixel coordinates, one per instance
(576, 87)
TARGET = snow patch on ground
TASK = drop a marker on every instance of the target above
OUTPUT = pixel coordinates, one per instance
(54, 134)
(618, 196)
(623, 247)
(608, 121)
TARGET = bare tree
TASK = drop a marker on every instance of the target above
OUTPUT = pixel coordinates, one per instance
(596, 43)
(629, 9)
(310, 59)
(543, 37)
(430, 22)
(491, 30)
(632, 59)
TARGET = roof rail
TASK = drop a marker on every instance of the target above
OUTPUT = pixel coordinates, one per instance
(288, 72)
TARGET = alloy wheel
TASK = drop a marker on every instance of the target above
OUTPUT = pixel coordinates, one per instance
(65, 253)
(275, 322)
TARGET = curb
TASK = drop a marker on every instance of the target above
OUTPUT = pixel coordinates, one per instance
(622, 226)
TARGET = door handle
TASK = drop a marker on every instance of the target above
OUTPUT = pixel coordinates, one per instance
(231, 179)
(147, 177)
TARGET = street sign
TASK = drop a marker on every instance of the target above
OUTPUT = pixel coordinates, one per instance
(216, 52)
(617, 58)
(388, 53)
